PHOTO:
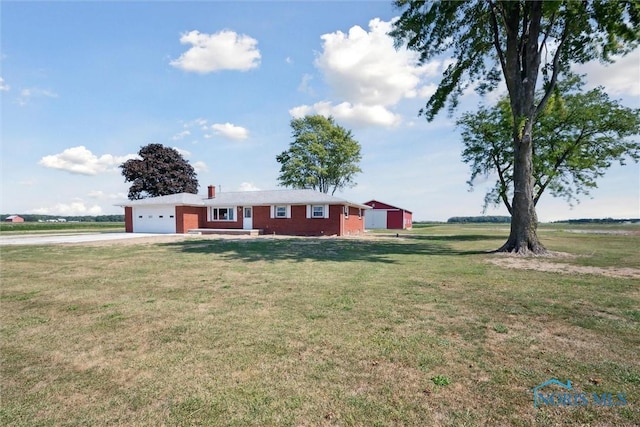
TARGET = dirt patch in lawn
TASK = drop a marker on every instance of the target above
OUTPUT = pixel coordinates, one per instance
(541, 264)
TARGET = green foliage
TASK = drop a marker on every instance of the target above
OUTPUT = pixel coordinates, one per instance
(578, 137)
(27, 227)
(517, 41)
(323, 156)
(500, 328)
(489, 40)
(69, 218)
(159, 172)
(479, 219)
(441, 380)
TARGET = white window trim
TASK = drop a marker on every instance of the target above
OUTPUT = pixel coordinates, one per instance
(229, 209)
(325, 212)
(274, 210)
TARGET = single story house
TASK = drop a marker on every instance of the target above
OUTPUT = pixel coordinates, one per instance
(14, 218)
(385, 216)
(289, 212)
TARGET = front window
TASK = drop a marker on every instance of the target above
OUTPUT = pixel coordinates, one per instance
(281, 211)
(317, 211)
(222, 214)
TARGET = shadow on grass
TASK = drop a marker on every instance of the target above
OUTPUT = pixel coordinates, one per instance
(302, 249)
(455, 238)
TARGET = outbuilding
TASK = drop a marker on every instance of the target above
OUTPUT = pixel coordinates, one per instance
(14, 218)
(385, 216)
(287, 212)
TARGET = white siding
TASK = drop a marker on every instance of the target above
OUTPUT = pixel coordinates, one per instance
(375, 218)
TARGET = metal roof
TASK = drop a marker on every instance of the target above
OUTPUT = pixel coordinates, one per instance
(391, 206)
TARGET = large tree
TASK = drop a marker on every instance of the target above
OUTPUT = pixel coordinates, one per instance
(322, 156)
(529, 44)
(160, 171)
(578, 136)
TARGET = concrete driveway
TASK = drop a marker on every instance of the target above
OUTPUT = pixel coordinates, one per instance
(50, 239)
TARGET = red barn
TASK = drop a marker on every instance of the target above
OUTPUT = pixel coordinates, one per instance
(289, 212)
(385, 216)
(14, 218)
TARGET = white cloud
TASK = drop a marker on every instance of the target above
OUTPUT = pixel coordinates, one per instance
(200, 166)
(26, 95)
(181, 135)
(199, 122)
(365, 67)
(101, 195)
(230, 131)
(358, 115)
(80, 160)
(248, 186)
(77, 207)
(368, 76)
(3, 86)
(183, 153)
(224, 50)
(620, 78)
(304, 85)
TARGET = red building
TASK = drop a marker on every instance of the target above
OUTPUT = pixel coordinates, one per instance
(289, 212)
(14, 218)
(385, 216)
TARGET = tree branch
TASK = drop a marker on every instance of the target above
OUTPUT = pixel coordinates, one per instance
(555, 72)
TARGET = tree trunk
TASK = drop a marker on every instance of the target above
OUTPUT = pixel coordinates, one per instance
(523, 238)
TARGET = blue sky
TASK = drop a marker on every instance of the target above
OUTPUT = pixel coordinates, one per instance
(84, 85)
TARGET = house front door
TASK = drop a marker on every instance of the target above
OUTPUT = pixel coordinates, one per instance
(247, 218)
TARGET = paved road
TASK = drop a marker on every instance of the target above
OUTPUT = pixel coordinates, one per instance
(48, 239)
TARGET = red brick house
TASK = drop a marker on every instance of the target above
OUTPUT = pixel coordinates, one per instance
(385, 216)
(288, 212)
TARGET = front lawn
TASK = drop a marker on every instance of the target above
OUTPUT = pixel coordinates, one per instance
(415, 330)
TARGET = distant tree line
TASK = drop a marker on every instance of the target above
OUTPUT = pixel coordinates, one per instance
(484, 218)
(89, 218)
(600, 221)
(506, 219)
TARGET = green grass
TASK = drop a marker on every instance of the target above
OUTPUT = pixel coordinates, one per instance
(413, 330)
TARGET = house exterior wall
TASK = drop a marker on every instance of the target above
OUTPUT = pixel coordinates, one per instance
(192, 217)
(188, 217)
(236, 223)
(128, 219)
(353, 223)
(298, 224)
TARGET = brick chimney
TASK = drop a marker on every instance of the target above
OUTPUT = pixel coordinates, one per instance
(212, 191)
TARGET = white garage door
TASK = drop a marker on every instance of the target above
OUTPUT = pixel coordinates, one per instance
(375, 218)
(156, 219)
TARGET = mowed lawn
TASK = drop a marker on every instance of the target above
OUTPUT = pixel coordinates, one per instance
(416, 330)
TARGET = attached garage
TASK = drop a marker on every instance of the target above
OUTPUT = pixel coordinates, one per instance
(154, 219)
(164, 214)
